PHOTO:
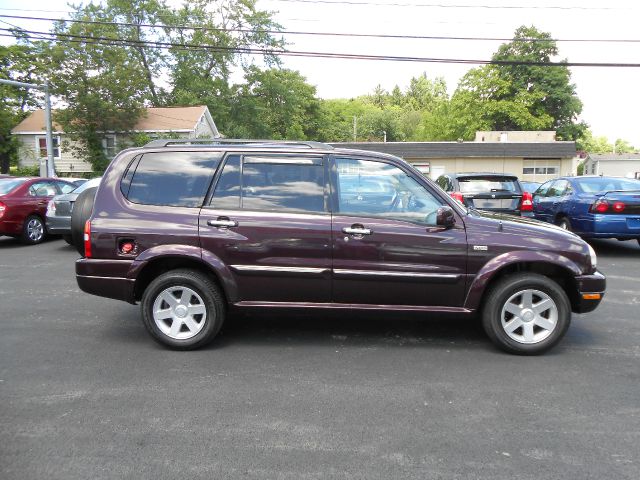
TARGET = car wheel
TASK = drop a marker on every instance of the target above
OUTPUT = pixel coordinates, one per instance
(79, 215)
(183, 309)
(33, 230)
(564, 223)
(526, 314)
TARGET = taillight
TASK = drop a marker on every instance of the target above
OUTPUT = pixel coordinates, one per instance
(618, 207)
(87, 239)
(599, 206)
(3, 208)
(527, 202)
(457, 196)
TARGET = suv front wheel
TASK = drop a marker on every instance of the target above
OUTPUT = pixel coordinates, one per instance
(183, 309)
(526, 314)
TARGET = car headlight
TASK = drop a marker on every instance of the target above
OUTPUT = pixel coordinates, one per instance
(592, 254)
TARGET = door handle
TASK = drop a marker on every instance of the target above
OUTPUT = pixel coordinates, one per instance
(222, 222)
(357, 231)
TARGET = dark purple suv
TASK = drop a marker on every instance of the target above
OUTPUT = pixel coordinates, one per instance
(193, 229)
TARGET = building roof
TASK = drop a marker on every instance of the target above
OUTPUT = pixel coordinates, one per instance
(415, 150)
(612, 157)
(154, 119)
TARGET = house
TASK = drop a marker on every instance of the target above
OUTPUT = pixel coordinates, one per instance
(613, 164)
(181, 122)
(532, 156)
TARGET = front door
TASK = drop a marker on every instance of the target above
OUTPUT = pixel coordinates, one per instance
(387, 248)
(269, 223)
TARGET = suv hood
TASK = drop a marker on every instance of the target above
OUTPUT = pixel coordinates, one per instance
(524, 225)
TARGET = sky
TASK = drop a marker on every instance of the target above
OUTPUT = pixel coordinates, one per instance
(610, 95)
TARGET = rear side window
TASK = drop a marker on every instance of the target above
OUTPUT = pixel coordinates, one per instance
(283, 184)
(270, 182)
(177, 179)
(488, 184)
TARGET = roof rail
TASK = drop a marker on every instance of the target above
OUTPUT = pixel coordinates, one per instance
(167, 142)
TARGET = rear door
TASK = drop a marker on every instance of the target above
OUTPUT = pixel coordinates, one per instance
(390, 252)
(269, 223)
(493, 193)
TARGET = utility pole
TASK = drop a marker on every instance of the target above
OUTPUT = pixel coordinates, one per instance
(47, 168)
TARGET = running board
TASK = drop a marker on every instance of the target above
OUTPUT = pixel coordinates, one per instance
(352, 306)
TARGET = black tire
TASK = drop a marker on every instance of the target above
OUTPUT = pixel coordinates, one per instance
(33, 230)
(68, 239)
(79, 215)
(563, 222)
(207, 325)
(505, 293)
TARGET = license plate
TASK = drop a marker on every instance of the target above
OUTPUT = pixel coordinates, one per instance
(633, 223)
(491, 203)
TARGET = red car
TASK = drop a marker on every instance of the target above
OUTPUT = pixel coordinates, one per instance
(23, 205)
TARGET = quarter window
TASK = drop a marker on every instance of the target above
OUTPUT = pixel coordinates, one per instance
(377, 189)
(178, 179)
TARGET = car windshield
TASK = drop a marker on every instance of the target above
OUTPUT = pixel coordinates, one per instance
(606, 184)
(487, 184)
(94, 182)
(8, 184)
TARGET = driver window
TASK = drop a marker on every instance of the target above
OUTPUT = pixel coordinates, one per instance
(377, 189)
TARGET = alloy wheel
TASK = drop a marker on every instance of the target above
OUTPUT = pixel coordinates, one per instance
(179, 312)
(529, 316)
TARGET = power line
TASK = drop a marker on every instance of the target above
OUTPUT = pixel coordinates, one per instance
(329, 34)
(106, 41)
(444, 5)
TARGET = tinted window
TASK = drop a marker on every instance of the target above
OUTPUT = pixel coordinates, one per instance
(178, 179)
(542, 190)
(42, 189)
(283, 183)
(8, 184)
(558, 188)
(227, 193)
(396, 194)
(66, 187)
(490, 184)
(606, 184)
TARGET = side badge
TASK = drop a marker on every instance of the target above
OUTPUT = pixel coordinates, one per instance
(482, 248)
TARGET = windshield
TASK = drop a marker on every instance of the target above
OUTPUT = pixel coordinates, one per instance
(477, 185)
(94, 182)
(604, 184)
(8, 184)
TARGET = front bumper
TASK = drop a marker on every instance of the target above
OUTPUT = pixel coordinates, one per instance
(105, 278)
(589, 293)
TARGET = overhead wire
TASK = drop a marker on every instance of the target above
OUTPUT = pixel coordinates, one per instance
(110, 41)
(311, 33)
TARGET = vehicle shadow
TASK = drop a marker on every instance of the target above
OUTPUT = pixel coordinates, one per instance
(615, 248)
(7, 243)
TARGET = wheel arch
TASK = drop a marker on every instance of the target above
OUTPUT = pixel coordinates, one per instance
(150, 266)
(557, 268)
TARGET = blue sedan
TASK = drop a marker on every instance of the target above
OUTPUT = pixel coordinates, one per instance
(592, 207)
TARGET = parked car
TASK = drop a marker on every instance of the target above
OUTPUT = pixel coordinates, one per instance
(191, 231)
(591, 206)
(59, 210)
(494, 192)
(530, 186)
(23, 205)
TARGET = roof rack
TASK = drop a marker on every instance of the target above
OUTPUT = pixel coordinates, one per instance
(236, 141)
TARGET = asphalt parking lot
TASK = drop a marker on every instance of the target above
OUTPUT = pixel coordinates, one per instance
(85, 392)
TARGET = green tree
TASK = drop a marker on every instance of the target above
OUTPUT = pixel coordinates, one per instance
(274, 103)
(21, 63)
(550, 88)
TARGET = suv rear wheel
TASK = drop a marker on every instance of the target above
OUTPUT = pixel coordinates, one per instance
(183, 309)
(526, 314)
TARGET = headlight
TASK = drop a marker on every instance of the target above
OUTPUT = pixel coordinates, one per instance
(592, 254)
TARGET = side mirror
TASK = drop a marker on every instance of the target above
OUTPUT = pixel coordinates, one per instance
(445, 217)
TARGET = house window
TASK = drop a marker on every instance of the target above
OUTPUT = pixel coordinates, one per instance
(541, 168)
(41, 147)
(109, 146)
